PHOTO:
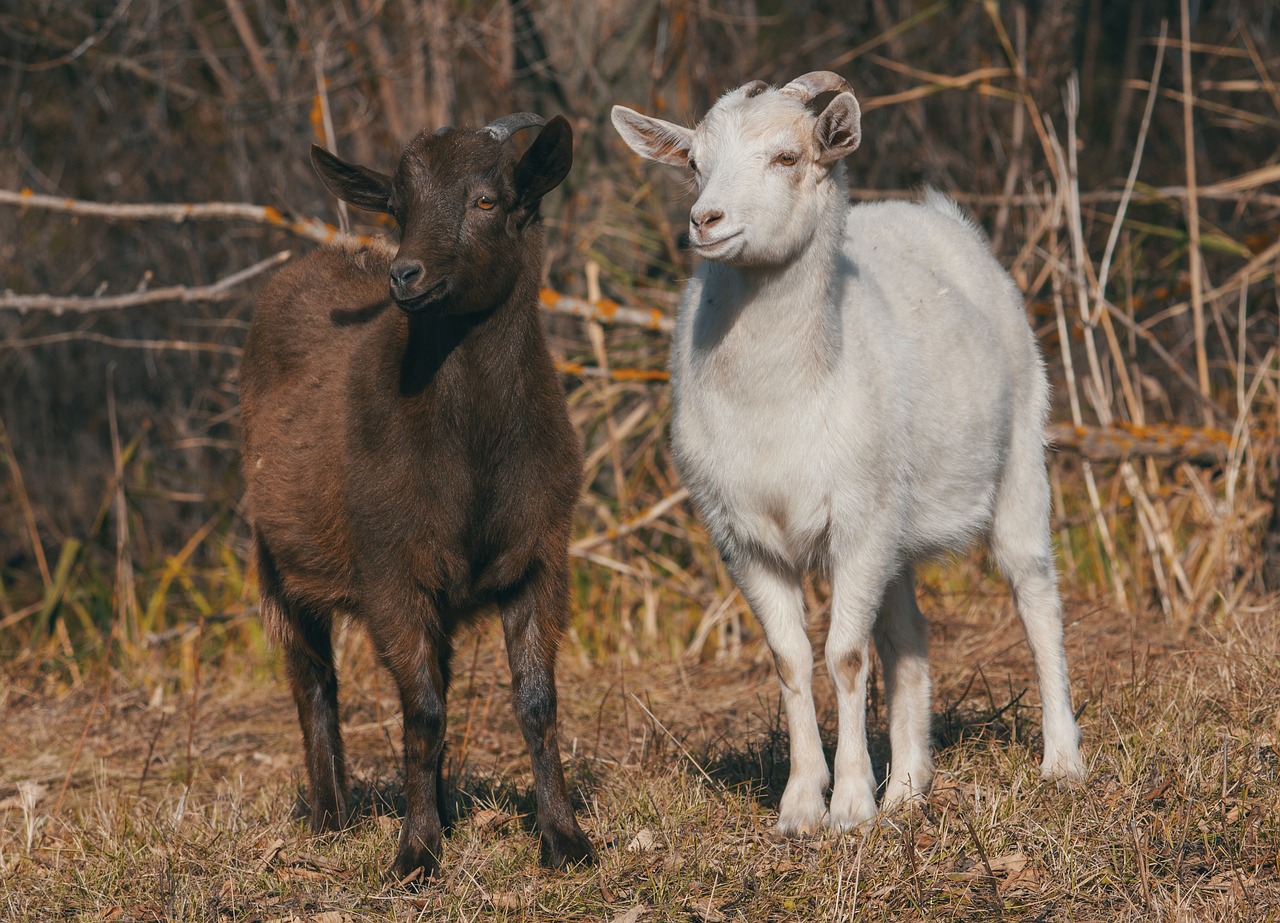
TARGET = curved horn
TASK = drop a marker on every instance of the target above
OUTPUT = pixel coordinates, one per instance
(809, 85)
(503, 128)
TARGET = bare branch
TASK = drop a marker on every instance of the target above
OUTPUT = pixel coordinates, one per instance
(85, 304)
(1122, 440)
(310, 228)
(613, 374)
(182, 346)
(254, 50)
(1230, 189)
(606, 311)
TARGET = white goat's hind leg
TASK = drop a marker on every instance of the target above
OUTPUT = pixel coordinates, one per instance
(856, 593)
(778, 603)
(1020, 542)
(902, 641)
(1035, 593)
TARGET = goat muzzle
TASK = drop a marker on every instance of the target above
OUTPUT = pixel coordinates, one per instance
(411, 288)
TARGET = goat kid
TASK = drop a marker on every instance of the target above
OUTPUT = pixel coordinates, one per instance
(855, 389)
(409, 459)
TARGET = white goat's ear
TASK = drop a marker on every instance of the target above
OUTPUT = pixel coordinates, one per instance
(839, 129)
(653, 138)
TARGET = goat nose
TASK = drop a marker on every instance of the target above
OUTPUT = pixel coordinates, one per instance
(404, 273)
(705, 217)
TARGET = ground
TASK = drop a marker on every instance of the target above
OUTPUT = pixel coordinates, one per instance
(126, 798)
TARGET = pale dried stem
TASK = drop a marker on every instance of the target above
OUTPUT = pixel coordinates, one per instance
(711, 619)
(1114, 236)
(595, 333)
(125, 589)
(1068, 174)
(1193, 209)
(326, 121)
(1270, 85)
(1102, 530)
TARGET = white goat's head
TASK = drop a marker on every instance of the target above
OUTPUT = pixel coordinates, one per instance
(763, 159)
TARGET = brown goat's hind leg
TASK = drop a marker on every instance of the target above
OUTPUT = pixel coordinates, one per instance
(532, 621)
(419, 664)
(308, 661)
(303, 634)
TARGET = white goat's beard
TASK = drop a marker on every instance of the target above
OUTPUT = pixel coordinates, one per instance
(731, 256)
(749, 255)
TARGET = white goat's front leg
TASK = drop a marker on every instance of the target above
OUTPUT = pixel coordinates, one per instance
(902, 641)
(857, 589)
(778, 603)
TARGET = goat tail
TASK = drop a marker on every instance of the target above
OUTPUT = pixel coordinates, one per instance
(944, 204)
(275, 621)
(271, 609)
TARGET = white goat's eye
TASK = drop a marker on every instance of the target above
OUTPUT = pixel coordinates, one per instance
(693, 165)
(786, 159)
(485, 202)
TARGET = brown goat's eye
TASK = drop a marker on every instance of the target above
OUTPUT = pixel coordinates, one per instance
(485, 202)
(786, 159)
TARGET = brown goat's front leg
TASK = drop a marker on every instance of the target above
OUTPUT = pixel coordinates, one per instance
(532, 621)
(418, 659)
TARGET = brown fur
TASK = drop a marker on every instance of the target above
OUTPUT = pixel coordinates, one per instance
(409, 461)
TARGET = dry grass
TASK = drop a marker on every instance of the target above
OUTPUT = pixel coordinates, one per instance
(678, 766)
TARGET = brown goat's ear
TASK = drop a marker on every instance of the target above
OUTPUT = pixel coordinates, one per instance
(546, 163)
(839, 129)
(362, 187)
(653, 138)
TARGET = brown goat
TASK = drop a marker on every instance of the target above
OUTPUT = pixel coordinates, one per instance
(409, 459)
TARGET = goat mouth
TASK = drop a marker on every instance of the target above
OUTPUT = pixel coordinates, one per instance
(414, 303)
(715, 248)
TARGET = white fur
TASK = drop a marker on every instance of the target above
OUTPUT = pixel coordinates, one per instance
(855, 389)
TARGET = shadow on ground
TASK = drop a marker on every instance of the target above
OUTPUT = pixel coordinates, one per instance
(758, 763)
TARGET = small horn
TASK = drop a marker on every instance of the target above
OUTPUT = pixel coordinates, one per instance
(754, 88)
(806, 87)
(503, 128)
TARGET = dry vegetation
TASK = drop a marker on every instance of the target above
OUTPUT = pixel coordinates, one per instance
(151, 759)
(139, 803)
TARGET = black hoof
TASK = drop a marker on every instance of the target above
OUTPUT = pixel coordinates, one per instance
(414, 865)
(560, 850)
(327, 820)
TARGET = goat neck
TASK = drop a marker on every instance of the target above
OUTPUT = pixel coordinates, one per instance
(794, 306)
(478, 343)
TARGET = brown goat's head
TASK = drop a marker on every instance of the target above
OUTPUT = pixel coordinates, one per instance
(464, 206)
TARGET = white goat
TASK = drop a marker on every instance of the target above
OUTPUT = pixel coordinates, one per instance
(855, 389)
